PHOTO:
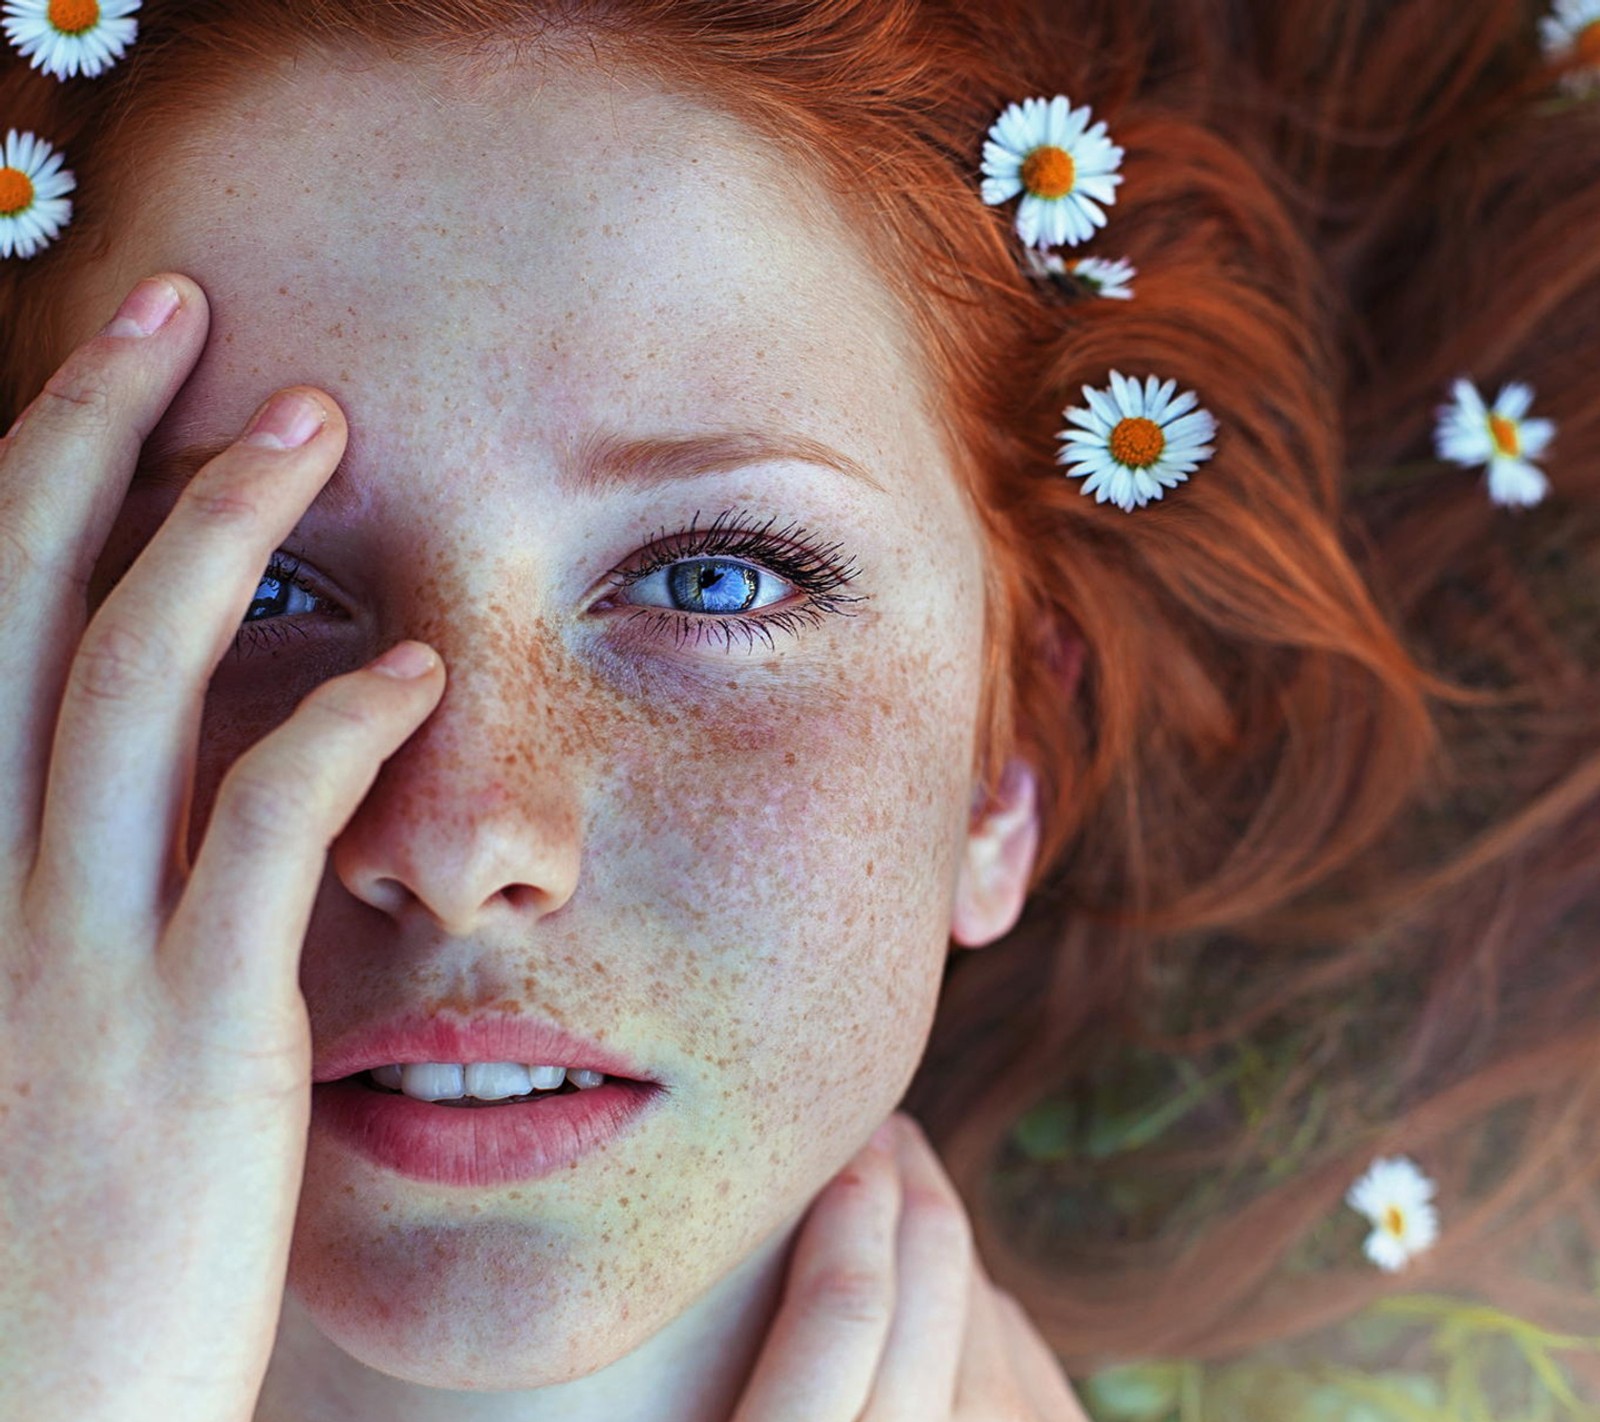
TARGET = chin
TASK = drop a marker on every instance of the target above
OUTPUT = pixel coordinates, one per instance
(495, 1335)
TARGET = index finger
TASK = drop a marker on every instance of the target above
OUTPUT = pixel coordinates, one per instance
(65, 466)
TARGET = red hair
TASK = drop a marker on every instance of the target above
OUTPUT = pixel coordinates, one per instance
(1270, 657)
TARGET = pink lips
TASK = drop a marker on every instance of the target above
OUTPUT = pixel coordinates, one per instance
(474, 1148)
(499, 1145)
(430, 1037)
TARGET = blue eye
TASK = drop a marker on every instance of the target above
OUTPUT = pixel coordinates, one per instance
(280, 587)
(710, 576)
(284, 584)
(709, 585)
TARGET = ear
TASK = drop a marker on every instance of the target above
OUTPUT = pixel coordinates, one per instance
(1001, 844)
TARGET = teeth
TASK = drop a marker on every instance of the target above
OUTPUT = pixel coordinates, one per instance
(482, 1081)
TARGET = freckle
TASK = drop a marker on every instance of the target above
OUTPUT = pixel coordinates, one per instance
(283, 291)
(337, 330)
(25, 1088)
(625, 1201)
(789, 757)
(870, 869)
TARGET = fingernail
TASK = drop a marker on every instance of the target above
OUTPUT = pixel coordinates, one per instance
(405, 661)
(286, 421)
(147, 308)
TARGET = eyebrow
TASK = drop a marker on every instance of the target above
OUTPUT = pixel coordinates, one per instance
(603, 464)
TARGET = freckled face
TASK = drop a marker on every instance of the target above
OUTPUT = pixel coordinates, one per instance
(733, 859)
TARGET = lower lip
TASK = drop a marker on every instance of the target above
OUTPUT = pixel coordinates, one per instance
(476, 1148)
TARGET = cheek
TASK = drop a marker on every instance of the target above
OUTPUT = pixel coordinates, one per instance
(800, 864)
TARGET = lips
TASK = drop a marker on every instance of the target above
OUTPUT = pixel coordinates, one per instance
(435, 1037)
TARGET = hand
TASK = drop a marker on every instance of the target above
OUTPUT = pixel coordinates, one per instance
(155, 1049)
(888, 1315)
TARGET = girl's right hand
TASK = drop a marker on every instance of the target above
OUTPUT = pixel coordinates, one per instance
(155, 1049)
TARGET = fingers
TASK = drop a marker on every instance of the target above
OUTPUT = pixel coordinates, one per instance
(935, 1260)
(821, 1352)
(64, 470)
(1007, 1368)
(126, 738)
(1038, 1369)
(234, 941)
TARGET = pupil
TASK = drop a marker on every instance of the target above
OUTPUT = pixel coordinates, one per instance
(706, 586)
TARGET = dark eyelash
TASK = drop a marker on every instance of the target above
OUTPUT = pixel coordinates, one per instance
(797, 556)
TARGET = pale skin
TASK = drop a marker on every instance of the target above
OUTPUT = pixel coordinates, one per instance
(742, 865)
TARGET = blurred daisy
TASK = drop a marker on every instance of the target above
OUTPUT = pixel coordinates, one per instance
(66, 37)
(1135, 442)
(1044, 149)
(1572, 35)
(1470, 433)
(1394, 1195)
(1093, 275)
(33, 208)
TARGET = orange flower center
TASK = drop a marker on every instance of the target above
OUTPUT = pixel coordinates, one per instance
(1504, 432)
(73, 17)
(1394, 1221)
(1049, 172)
(1137, 444)
(1589, 43)
(16, 192)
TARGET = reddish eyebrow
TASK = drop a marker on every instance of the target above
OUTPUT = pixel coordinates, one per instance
(606, 463)
(603, 464)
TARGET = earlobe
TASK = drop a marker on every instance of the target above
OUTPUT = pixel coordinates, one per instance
(1000, 849)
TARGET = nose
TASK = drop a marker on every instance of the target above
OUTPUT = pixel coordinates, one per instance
(476, 817)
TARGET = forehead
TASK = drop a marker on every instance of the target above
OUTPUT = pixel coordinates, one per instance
(579, 226)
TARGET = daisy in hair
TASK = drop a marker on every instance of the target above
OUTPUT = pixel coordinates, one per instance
(1394, 1195)
(1095, 275)
(1572, 33)
(1471, 433)
(33, 203)
(69, 37)
(1135, 442)
(1045, 150)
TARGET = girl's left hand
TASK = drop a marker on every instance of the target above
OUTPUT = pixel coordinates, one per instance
(888, 1316)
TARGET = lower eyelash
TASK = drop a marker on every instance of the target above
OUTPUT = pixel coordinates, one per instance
(684, 626)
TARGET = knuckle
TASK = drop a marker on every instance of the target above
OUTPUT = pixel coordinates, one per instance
(340, 702)
(18, 563)
(940, 1217)
(116, 662)
(263, 797)
(221, 502)
(80, 394)
(850, 1295)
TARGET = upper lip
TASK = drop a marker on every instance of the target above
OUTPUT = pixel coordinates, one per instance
(431, 1037)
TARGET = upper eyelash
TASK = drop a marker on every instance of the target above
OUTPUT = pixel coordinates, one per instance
(793, 553)
(796, 555)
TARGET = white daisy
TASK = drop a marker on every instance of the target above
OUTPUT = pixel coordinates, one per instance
(1395, 1196)
(67, 37)
(1094, 274)
(1135, 442)
(1572, 33)
(1470, 433)
(1044, 149)
(33, 208)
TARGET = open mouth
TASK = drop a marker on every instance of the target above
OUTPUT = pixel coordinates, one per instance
(366, 1079)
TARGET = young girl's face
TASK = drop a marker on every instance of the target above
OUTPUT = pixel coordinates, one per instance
(728, 849)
